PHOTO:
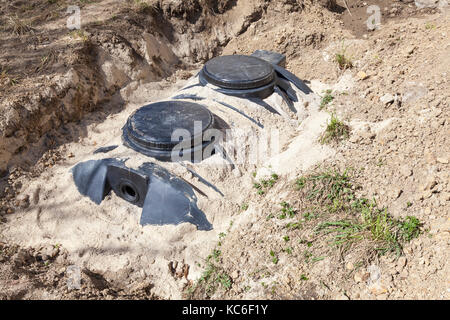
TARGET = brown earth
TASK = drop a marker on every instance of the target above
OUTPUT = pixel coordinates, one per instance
(394, 98)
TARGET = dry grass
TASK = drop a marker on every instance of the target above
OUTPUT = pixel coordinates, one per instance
(18, 26)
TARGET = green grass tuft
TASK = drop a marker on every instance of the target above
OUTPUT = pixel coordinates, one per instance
(336, 130)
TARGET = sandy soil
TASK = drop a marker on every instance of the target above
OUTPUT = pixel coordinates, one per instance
(394, 99)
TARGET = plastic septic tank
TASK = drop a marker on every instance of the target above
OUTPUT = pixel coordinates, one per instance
(229, 92)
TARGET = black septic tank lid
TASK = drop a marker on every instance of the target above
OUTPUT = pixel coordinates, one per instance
(149, 129)
(238, 72)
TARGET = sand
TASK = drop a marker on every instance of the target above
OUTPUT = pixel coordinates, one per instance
(108, 238)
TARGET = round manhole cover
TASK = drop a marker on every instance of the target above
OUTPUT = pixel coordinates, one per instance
(238, 72)
(149, 129)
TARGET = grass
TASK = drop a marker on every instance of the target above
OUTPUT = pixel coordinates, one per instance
(19, 27)
(212, 279)
(352, 219)
(265, 184)
(429, 26)
(286, 211)
(274, 257)
(326, 99)
(143, 6)
(344, 62)
(79, 34)
(336, 130)
(6, 78)
(244, 206)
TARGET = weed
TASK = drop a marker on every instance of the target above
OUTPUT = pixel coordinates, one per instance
(345, 231)
(316, 259)
(244, 206)
(303, 277)
(213, 278)
(300, 183)
(409, 228)
(265, 184)
(429, 26)
(336, 130)
(274, 257)
(343, 60)
(286, 238)
(287, 210)
(331, 186)
(309, 216)
(79, 34)
(380, 162)
(19, 27)
(143, 6)
(294, 225)
(307, 255)
(362, 219)
(326, 99)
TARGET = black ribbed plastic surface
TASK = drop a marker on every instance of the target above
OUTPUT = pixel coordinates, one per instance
(150, 128)
(238, 72)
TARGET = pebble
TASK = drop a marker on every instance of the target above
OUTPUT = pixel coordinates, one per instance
(406, 171)
(401, 263)
(404, 274)
(362, 75)
(377, 289)
(387, 98)
(442, 160)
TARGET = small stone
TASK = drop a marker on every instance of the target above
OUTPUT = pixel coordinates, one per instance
(235, 274)
(383, 296)
(45, 257)
(362, 75)
(442, 160)
(406, 171)
(401, 263)
(426, 194)
(49, 251)
(349, 266)
(404, 274)
(430, 184)
(387, 98)
(377, 289)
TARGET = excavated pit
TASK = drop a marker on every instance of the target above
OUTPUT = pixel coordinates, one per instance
(104, 221)
(182, 131)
